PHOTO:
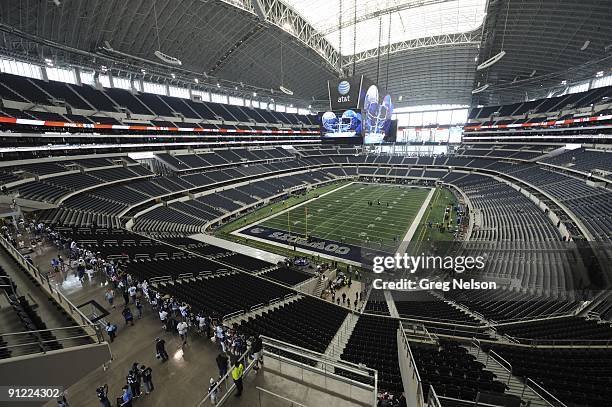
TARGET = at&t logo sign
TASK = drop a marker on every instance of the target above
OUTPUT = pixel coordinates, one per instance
(343, 89)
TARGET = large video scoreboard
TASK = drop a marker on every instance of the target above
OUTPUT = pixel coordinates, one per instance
(359, 112)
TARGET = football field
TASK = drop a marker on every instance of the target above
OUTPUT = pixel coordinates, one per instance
(345, 215)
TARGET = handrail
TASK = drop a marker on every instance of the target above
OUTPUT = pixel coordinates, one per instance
(412, 359)
(529, 319)
(280, 397)
(413, 365)
(342, 364)
(559, 402)
(325, 371)
(44, 330)
(432, 398)
(42, 342)
(441, 322)
(233, 314)
(476, 403)
(53, 291)
(257, 306)
(500, 359)
(562, 342)
(33, 270)
(224, 378)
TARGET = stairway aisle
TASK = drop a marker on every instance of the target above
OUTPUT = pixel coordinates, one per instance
(515, 385)
(391, 304)
(339, 341)
(239, 318)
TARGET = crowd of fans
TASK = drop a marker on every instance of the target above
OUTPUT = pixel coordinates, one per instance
(133, 296)
(177, 317)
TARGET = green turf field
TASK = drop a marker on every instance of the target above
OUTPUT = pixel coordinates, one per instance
(345, 216)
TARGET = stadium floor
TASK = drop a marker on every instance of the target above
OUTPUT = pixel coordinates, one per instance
(345, 217)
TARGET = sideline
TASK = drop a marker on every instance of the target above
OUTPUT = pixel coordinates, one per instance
(415, 223)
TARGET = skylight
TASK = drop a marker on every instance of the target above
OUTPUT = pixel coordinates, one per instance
(410, 22)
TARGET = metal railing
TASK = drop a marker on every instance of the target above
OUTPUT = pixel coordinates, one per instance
(528, 383)
(339, 341)
(503, 362)
(453, 401)
(582, 343)
(543, 393)
(356, 386)
(292, 403)
(20, 340)
(413, 370)
(92, 329)
(418, 331)
(225, 386)
(432, 398)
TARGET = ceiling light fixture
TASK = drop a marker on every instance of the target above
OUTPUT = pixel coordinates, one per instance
(282, 87)
(480, 89)
(491, 61)
(167, 58)
(585, 45)
(164, 57)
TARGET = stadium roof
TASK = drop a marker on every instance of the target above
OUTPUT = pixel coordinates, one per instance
(549, 44)
(428, 56)
(361, 24)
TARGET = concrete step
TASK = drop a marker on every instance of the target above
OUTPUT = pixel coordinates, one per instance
(339, 341)
(391, 304)
(515, 385)
(239, 318)
(461, 308)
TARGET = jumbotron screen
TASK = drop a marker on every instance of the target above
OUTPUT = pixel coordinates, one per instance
(341, 126)
(378, 125)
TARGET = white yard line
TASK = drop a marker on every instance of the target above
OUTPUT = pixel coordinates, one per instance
(415, 223)
(409, 234)
(290, 208)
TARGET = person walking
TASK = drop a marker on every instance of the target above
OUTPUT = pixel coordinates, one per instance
(127, 315)
(110, 297)
(237, 373)
(182, 331)
(163, 317)
(213, 390)
(136, 372)
(257, 349)
(220, 333)
(132, 293)
(126, 397)
(102, 393)
(160, 349)
(111, 330)
(126, 296)
(133, 381)
(147, 378)
(222, 361)
(139, 307)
